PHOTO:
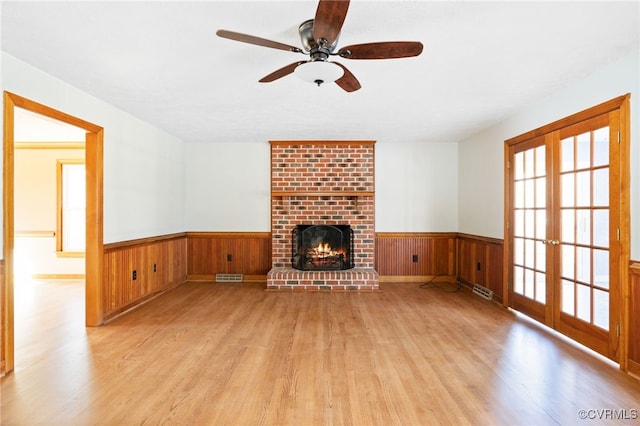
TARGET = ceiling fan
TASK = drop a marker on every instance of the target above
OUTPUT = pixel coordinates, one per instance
(319, 38)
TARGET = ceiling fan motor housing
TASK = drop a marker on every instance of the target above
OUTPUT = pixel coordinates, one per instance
(318, 49)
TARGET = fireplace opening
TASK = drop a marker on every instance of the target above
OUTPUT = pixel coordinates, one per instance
(322, 247)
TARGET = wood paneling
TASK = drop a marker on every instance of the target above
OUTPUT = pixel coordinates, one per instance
(479, 261)
(630, 321)
(211, 253)
(435, 254)
(159, 264)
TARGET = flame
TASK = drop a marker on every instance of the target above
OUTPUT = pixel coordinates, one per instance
(323, 250)
(322, 253)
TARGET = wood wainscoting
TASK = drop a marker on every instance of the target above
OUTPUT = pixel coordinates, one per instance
(415, 256)
(211, 253)
(158, 263)
(630, 322)
(480, 261)
(419, 256)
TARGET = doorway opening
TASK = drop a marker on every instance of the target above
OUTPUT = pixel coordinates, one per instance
(93, 263)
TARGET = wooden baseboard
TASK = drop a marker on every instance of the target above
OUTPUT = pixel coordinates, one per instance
(200, 278)
(58, 276)
(634, 369)
(139, 302)
(416, 278)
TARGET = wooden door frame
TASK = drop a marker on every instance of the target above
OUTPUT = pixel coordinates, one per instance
(94, 312)
(621, 103)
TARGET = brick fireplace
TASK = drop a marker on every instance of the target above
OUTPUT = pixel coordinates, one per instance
(322, 183)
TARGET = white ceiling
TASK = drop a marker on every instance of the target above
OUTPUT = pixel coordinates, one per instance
(162, 62)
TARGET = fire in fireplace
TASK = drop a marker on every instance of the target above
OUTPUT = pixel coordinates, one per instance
(322, 247)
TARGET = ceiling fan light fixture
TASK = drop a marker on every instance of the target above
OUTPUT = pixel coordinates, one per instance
(319, 72)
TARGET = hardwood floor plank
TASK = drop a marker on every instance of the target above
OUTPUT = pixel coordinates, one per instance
(207, 353)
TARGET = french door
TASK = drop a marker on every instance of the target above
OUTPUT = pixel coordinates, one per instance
(564, 214)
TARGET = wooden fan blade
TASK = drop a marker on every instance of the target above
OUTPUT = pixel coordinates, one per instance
(348, 82)
(281, 72)
(245, 38)
(382, 50)
(329, 19)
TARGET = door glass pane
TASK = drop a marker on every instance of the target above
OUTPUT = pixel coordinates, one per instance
(518, 195)
(541, 260)
(518, 160)
(601, 187)
(518, 280)
(541, 224)
(529, 194)
(541, 192)
(529, 227)
(518, 229)
(529, 289)
(601, 309)
(568, 263)
(529, 165)
(583, 151)
(583, 264)
(567, 190)
(529, 253)
(601, 147)
(601, 268)
(518, 251)
(541, 293)
(583, 188)
(583, 226)
(568, 226)
(568, 297)
(601, 228)
(567, 155)
(583, 302)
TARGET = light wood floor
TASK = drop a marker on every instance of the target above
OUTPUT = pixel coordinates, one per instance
(214, 354)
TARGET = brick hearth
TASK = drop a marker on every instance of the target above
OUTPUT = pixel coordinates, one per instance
(363, 279)
(329, 183)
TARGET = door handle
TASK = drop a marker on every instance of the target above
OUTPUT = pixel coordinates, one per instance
(551, 242)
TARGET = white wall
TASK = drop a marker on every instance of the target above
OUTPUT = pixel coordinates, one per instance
(144, 167)
(228, 187)
(481, 156)
(416, 187)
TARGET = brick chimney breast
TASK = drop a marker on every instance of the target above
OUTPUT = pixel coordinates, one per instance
(323, 182)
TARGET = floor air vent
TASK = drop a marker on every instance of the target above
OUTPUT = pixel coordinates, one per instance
(483, 292)
(228, 278)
